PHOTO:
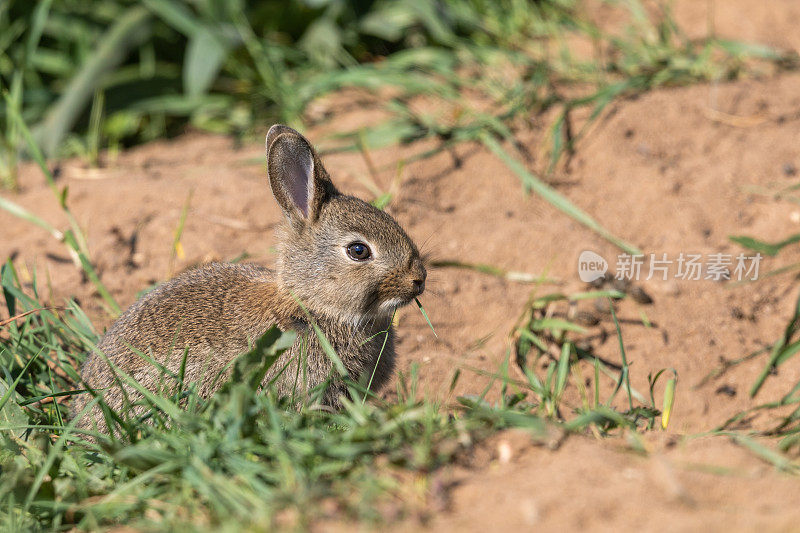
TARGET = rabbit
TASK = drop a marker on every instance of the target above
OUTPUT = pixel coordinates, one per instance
(342, 263)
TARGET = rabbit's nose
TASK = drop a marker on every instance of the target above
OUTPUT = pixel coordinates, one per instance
(418, 285)
(418, 281)
(417, 274)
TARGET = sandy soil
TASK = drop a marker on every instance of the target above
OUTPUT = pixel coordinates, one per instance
(674, 171)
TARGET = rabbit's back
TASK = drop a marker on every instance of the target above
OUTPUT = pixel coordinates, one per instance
(215, 312)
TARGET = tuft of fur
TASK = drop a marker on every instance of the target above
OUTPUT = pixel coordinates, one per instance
(216, 312)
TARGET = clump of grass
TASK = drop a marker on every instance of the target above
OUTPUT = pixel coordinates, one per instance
(183, 460)
(549, 351)
(783, 422)
(115, 71)
(784, 411)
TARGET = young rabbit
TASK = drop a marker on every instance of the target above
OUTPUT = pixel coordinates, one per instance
(348, 263)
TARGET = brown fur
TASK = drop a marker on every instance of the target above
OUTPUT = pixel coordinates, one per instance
(218, 311)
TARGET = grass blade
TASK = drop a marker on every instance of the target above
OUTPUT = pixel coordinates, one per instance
(7, 395)
(770, 249)
(428, 320)
(625, 374)
(778, 349)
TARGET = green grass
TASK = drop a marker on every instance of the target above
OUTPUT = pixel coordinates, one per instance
(784, 411)
(246, 457)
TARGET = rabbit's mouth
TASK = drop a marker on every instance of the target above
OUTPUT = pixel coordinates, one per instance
(399, 289)
(390, 305)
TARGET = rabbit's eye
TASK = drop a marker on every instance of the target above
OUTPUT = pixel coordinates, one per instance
(358, 251)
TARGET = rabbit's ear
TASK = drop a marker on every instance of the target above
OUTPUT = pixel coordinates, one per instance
(276, 130)
(296, 176)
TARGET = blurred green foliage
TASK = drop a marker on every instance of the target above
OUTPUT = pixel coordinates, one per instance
(147, 68)
(90, 74)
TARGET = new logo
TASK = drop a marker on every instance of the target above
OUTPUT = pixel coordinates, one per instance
(591, 266)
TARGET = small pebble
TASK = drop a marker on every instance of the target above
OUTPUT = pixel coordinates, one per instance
(587, 318)
(727, 390)
(789, 169)
(638, 295)
(504, 453)
(621, 285)
(597, 283)
(601, 306)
